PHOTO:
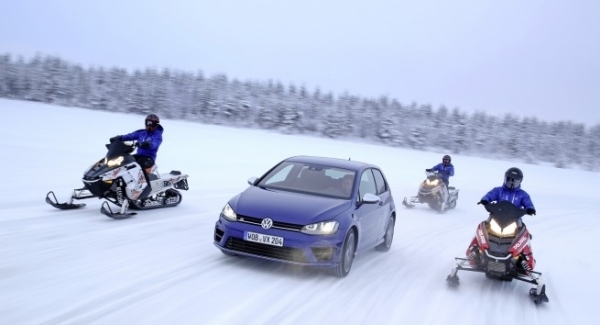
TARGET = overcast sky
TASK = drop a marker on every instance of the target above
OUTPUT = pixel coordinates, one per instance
(531, 58)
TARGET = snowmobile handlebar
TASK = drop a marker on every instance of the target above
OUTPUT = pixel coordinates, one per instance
(117, 148)
(432, 173)
(504, 208)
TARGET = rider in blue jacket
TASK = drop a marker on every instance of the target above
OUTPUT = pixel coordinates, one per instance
(445, 169)
(148, 139)
(511, 191)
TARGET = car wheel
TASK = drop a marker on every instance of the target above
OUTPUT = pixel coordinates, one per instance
(346, 255)
(389, 236)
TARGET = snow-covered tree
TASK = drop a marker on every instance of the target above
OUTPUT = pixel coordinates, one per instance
(293, 109)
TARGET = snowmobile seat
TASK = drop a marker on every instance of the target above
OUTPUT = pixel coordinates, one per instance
(451, 188)
(175, 172)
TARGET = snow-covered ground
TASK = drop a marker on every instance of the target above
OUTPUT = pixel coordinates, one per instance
(161, 267)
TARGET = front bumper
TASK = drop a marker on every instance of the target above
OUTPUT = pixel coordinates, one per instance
(298, 248)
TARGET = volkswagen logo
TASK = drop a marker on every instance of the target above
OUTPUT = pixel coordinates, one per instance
(267, 223)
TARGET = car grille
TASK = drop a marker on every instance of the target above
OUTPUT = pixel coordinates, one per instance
(282, 253)
(276, 224)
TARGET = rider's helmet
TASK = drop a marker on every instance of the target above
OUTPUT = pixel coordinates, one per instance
(513, 178)
(446, 160)
(151, 122)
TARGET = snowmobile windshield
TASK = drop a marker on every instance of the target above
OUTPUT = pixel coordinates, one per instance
(431, 174)
(504, 212)
(117, 148)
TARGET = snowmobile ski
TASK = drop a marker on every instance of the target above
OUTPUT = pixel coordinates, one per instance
(539, 295)
(51, 199)
(407, 204)
(107, 211)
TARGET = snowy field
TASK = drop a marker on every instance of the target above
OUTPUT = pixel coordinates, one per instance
(161, 267)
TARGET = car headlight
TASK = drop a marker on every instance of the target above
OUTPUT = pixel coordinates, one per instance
(507, 231)
(228, 213)
(114, 162)
(321, 228)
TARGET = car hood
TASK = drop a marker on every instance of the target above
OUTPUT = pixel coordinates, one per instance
(287, 207)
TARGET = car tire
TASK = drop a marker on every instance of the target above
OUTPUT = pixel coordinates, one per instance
(346, 255)
(389, 236)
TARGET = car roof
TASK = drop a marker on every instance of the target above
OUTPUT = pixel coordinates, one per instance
(334, 162)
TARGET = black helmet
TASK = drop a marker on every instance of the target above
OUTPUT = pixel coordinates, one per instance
(151, 121)
(513, 177)
(446, 159)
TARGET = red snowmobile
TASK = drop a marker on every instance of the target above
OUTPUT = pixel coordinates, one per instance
(501, 250)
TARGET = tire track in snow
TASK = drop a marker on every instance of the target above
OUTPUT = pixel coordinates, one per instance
(98, 307)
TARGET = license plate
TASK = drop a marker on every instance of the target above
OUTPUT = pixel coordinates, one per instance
(263, 239)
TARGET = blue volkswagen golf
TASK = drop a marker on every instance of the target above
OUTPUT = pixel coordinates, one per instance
(311, 211)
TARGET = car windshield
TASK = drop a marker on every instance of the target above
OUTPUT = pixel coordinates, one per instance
(312, 179)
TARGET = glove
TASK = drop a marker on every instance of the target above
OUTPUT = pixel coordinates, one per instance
(530, 211)
(145, 144)
(113, 139)
(429, 170)
(484, 202)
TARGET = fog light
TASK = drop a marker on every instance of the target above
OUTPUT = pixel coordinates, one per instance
(323, 253)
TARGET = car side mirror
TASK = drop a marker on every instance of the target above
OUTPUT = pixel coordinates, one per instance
(252, 180)
(370, 198)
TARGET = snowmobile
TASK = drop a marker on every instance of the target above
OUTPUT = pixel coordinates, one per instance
(119, 179)
(431, 191)
(501, 250)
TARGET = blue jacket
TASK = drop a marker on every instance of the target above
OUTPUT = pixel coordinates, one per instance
(154, 137)
(516, 196)
(444, 171)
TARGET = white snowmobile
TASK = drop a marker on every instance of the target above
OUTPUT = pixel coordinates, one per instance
(433, 192)
(119, 179)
